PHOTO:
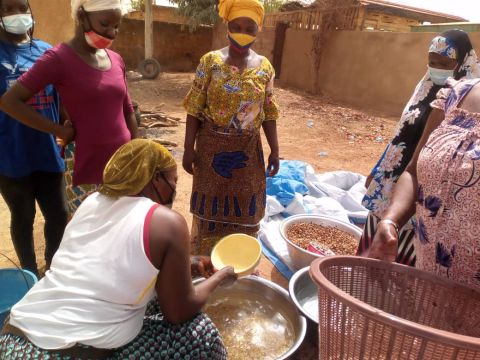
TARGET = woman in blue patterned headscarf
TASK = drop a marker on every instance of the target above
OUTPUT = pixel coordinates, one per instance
(450, 55)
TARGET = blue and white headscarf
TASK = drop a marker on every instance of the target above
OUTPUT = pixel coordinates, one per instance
(456, 45)
(453, 44)
(444, 47)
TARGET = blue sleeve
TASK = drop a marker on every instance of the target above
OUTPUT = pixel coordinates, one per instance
(42, 45)
(379, 162)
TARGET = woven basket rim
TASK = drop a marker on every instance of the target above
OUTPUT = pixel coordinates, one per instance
(431, 333)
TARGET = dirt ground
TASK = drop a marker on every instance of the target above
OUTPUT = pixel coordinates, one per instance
(312, 129)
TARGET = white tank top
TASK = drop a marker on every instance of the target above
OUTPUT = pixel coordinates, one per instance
(100, 280)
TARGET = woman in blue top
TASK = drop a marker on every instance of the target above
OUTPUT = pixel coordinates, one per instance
(31, 168)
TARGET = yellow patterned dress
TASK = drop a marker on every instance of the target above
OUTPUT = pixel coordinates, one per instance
(228, 193)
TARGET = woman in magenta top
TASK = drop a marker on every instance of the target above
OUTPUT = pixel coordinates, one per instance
(92, 86)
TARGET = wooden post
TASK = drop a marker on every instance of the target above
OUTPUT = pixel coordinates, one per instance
(148, 29)
(361, 18)
(280, 34)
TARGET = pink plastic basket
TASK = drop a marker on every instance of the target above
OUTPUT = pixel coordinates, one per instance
(369, 309)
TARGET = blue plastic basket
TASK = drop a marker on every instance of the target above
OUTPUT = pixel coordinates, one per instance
(14, 284)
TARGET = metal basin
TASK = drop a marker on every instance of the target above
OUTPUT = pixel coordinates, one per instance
(273, 295)
(302, 258)
(304, 294)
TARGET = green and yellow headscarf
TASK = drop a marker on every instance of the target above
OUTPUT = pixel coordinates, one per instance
(132, 167)
(232, 9)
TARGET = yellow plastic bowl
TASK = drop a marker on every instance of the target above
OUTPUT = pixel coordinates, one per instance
(240, 251)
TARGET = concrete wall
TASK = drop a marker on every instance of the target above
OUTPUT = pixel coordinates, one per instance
(53, 23)
(298, 69)
(263, 45)
(373, 69)
(370, 70)
(174, 48)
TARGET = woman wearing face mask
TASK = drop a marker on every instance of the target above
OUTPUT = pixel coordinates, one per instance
(92, 85)
(137, 302)
(230, 100)
(441, 185)
(450, 55)
(31, 168)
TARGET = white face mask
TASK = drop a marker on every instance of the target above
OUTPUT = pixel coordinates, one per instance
(17, 24)
(440, 76)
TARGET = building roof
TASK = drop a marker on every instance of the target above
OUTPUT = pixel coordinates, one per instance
(438, 28)
(411, 12)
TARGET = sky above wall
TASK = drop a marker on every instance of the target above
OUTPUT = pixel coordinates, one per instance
(468, 9)
(167, 3)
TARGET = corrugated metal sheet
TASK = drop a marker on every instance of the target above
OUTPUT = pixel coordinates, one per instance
(438, 28)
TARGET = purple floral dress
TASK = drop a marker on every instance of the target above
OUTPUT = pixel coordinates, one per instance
(448, 208)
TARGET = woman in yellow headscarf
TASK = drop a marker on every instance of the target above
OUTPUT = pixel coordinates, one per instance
(120, 285)
(230, 100)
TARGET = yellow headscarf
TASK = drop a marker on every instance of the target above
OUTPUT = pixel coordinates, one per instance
(132, 167)
(233, 9)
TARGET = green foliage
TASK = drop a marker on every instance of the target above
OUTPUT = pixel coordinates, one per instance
(272, 5)
(204, 12)
(137, 4)
(198, 12)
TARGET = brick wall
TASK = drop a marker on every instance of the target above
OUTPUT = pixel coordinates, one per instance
(175, 48)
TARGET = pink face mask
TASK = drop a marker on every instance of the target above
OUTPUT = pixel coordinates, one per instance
(97, 41)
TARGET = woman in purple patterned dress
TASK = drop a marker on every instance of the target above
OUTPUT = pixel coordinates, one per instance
(442, 183)
(450, 54)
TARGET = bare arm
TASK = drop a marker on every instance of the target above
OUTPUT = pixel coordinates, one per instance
(13, 102)
(131, 121)
(402, 205)
(63, 114)
(191, 130)
(270, 129)
(170, 247)
(65, 121)
(129, 114)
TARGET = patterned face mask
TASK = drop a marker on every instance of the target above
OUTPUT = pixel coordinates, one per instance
(97, 41)
(94, 39)
(241, 41)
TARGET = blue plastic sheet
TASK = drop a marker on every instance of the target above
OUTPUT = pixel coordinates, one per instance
(281, 267)
(289, 180)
